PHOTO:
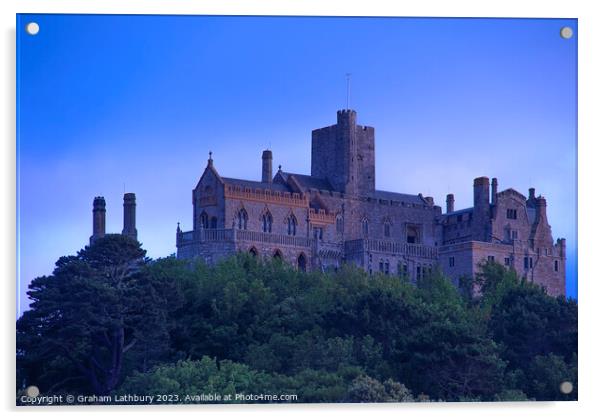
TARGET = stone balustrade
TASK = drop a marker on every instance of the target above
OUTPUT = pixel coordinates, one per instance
(375, 245)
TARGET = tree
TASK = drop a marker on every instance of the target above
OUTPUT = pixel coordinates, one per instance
(369, 390)
(527, 322)
(84, 318)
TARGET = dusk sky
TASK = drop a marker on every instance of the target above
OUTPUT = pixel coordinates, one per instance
(108, 101)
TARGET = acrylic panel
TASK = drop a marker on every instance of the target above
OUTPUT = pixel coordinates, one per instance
(254, 209)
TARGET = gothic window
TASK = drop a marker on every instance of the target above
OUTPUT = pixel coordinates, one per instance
(292, 225)
(418, 272)
(387, 267)
(412, 235)
(339, 223)
(266, 222)
(556, 265)
(277, 255)
(214, 223)
(511, 213)
(319, 233)
(387, 229)
(365, 226)
(381, 266)
(204, 220)
(452, 261)
(253, 252)
(243, 217)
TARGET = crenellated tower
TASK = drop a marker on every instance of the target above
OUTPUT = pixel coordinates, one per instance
(344, 155)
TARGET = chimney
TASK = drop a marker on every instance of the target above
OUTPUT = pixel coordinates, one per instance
(450, 203)
(481, 195)
(129, 216)
(98, 219)
(531, 201)
(430, 201)
(266, 167)
(540, 211)
(494, 191)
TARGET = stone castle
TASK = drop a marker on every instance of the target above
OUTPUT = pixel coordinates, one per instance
(336, 216)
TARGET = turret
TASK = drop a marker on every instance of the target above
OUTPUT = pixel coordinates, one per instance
(129, 216)
(450, 203)
(266, 166)
(98, 219)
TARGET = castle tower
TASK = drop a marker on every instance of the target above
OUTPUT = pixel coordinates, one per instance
(266, 166)
(344, 154)
(129, 216)
(98, 219)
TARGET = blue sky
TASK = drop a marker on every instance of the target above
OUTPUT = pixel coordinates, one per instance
(108, 101)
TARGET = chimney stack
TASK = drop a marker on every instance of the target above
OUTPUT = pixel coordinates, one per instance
(450, 203)
(540, 211)
(266, 167)
(98, 219)
(494, 191)
(481, 192)
(129, 216)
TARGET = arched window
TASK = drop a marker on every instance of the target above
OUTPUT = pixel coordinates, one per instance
(412, 235)
(302, 263)
(253, 251)
(292, 225)
(278, 255)
(266, 222)
(339, 223)
(387, 228)
(204, 220)
(243, 217)
(214, 222)
(365, 226)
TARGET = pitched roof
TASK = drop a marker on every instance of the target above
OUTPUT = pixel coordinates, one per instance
(307, 181)
(406, 198)
(461, 211)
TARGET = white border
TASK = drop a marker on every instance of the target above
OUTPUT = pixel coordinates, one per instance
(590, 136)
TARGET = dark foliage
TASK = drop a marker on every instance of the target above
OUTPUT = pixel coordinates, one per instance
(253, 326)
